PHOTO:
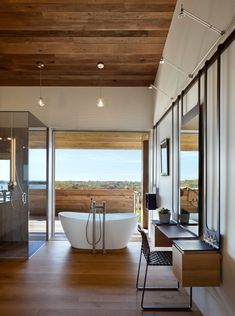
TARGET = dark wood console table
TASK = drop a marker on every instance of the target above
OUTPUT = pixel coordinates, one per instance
(164, 234)
(176, 232)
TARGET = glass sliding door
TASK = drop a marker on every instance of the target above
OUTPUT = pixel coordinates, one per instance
(87, 166)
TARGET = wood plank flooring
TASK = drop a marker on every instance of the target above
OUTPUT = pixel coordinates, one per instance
(61, 281)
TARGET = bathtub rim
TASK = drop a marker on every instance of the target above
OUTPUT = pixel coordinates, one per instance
(134, 215)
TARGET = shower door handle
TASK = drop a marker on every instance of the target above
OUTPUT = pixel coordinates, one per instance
(24, 198)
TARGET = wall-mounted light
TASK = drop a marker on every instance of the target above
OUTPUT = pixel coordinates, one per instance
(12, 139)
(183, 13)
(4, 139)
(13, 162)
(40, 66)
(163, 60)
(152, 86)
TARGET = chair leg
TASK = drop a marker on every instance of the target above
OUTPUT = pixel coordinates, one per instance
(138, 273)
(152, 288)
(144, 285)
(191, 297)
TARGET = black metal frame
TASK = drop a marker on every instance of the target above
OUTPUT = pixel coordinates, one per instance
(154, 157)
(175, 159)
(147, 255)
(201, 159)
(207, 231)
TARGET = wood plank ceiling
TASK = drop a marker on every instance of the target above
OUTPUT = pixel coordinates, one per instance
(71, 36)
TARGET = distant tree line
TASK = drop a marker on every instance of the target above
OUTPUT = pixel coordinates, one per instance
(131, 185)
(193, 183)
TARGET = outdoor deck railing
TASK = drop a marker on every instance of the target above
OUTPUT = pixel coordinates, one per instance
(117, 200)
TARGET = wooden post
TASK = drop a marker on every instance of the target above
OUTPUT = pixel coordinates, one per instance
(145, 167)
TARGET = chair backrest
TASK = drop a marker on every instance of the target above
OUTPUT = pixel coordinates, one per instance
(145, 244)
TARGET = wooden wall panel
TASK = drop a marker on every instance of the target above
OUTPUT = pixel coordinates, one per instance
(100, 140)
(189, 142)
(117, 201)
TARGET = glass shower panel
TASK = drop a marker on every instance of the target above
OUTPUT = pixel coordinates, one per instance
(14, 185)
(21, 134)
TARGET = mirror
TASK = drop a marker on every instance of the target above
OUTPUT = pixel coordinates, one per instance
(165, 157)
(189, 170)
(212, 152)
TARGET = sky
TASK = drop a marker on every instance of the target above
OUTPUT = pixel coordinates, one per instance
(96, 165)
(88, 164)
(189, 165)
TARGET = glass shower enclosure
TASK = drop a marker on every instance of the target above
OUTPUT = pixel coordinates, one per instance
(23, 184)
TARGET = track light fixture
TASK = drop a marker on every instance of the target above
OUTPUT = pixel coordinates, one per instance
(161, 60)
(152, 86)
(164, 60)
(183, 13)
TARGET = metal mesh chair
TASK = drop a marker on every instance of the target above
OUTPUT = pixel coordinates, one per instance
(156, 258)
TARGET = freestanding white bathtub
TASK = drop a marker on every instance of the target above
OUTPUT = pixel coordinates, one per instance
(119, 227)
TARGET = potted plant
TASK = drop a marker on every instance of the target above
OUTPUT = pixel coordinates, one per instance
(184, 216)
(164, 215)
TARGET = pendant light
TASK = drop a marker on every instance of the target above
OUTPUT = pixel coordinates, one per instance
(40, 66)
(100, 101)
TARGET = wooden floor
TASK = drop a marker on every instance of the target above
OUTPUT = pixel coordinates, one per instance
(61, 281)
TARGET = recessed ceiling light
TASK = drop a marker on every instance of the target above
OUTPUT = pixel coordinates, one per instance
(100, 65)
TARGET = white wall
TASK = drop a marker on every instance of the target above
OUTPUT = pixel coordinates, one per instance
(128, 108)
